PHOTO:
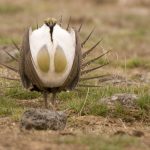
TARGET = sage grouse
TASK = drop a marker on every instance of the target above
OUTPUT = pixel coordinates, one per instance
(51, 59)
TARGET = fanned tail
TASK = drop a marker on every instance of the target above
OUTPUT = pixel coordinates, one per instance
(88, 66)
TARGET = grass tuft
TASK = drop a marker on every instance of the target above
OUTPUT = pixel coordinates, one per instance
(135, 62)
(144, 102)
(9, 107)
(20, 93)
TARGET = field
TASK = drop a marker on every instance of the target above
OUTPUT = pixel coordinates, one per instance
(124, 28)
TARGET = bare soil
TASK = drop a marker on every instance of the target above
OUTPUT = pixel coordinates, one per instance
(12, 138)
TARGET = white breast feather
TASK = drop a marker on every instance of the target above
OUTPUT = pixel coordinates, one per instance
(40, 37)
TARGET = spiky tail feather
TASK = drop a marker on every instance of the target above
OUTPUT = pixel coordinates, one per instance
(84, 65)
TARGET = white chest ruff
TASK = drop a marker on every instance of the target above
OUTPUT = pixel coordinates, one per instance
(61, 38)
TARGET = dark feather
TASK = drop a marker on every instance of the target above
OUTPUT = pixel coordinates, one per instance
(37, 25)
(23, 52)
(60, 20)
(68, 23)
(74, 75)
(11, 68)
(8, 78)
(80, 27)
(90, 78)
(92, 60)
(92, 69)
(88, 85)
(90, 50)
(8, 87)
(15, 44)
(27, 67)
(14, 58)
(87, 38)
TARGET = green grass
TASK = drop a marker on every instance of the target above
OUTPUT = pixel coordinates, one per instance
(9, 107)
(10, 9)
(20, 93)
(93, 106)
(8, 102)
(88, 102)
(4, 40)
(144, 102)
(136, 62)
(94, 142)
(98, 110)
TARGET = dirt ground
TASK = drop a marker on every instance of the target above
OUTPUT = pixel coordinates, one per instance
(13, 138)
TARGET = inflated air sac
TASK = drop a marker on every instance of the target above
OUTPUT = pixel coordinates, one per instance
(43, 59)
(60, 61)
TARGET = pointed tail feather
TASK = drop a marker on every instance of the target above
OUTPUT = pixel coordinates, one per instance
(15, 44)
(37, 25)
(11, 68)
(80, 27)
(8, 78)
(14, 58)
(88, 85)
(68, 25)
(90, 50)
(90, 78)
(92, 60)
(87, 38)
(9, 87)
(60, 20)
(92, 69)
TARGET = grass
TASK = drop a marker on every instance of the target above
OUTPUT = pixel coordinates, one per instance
(136, 62)
(9, 107)
(20, 93)
(144, 102)
(10, 9)
(90, 103)
(93, 105)
(4, 40)
(102, 142)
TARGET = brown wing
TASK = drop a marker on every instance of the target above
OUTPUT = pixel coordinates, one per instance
(23, 51)
(27, 71)
(74, 75)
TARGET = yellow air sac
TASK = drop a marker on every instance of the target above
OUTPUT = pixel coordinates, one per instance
(43, 59)
(60, 61)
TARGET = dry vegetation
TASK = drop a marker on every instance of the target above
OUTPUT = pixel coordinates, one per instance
(124, 27)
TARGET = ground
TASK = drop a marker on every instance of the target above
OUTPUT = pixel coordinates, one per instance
(124, 29)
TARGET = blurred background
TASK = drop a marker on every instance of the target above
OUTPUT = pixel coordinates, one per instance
(124, 25)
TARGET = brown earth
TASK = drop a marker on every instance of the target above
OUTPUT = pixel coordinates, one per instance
(12, 138)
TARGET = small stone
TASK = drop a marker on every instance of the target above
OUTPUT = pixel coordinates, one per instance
(43, 119)
(125, 99)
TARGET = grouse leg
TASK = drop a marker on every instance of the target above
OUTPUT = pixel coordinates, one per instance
(53, 101)
(45, 95)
